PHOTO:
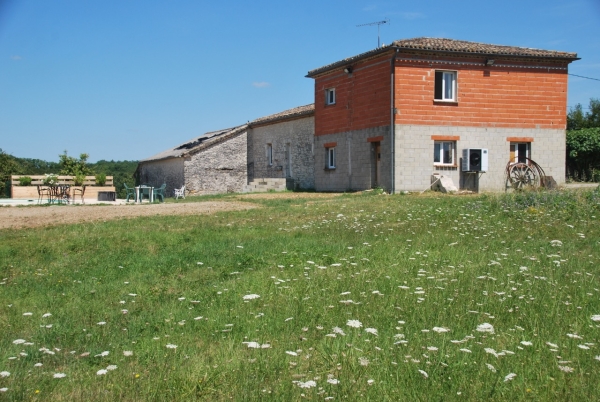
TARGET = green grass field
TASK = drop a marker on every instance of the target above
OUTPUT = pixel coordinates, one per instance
(370, 297)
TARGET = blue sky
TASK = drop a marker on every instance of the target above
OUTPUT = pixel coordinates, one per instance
(125, 79)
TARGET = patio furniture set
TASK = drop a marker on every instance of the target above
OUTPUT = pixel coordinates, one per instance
(141, 192)
(60, 194)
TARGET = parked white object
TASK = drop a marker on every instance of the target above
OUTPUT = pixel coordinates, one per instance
(180, 192)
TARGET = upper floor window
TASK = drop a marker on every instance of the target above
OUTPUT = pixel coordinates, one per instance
(330, 96)
(445, 85)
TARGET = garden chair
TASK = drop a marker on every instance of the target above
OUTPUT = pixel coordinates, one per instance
(180, 192)
(144, 192)
(130, 192)
(43, 192)
(159, 192)
(79, 191)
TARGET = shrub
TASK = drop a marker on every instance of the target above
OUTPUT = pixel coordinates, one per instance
(100, 179)
(25, 181)
(78, 179)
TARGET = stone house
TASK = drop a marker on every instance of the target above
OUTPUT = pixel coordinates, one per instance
(395, 116)
(271, 152)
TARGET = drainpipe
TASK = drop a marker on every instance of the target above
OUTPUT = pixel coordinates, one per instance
(392, 123)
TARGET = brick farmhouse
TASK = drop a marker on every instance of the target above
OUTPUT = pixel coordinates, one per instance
(395, 117)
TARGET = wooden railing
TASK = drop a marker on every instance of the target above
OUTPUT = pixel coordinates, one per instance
(70, 180)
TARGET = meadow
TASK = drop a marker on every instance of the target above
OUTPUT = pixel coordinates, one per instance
(357, 297)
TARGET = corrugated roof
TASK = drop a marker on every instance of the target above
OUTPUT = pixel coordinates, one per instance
(196, 143)
(286, 114)
(459, 47)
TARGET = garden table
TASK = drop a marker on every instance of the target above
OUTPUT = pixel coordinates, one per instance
(143, 189)
(60, 193)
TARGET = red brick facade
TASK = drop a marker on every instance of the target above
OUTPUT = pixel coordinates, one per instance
(511, 93)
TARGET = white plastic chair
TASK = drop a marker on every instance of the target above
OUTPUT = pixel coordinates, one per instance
(180, 192)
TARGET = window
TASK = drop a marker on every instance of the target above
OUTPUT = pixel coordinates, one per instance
(330, 158)
(443, 152)
(270, 154)
(519, 151)
(330, 96)
(445, 85)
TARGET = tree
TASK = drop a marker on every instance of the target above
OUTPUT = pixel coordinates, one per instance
(8, 167)
(583, 142)
(71, 166)
(576, 119)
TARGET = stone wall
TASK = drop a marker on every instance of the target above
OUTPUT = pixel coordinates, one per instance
(355, 160)
(155, 173)
(414, 155)
(218, 168)
(292, 145)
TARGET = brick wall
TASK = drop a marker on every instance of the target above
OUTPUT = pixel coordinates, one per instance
(414, 154)
(362, 97)
(494, 96)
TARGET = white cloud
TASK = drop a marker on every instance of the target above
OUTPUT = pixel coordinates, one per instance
(16, 57)
(412, 16)
(261, 84)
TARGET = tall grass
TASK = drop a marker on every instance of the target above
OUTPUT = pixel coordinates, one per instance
(164, 296)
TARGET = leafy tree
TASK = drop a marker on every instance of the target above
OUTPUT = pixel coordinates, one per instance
(8, 166)
(71, 166)
(577, 119)
(583, 142)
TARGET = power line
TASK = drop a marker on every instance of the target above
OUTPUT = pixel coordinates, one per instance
(587, 78)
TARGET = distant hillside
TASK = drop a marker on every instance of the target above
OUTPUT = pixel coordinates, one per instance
(122, 171)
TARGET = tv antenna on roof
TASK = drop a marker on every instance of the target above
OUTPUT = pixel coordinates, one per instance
(378, 23)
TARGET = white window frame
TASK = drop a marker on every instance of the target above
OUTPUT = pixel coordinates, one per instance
(270, 154)
(330, 96)
(439, 149)
(448, 83)
(516, 151)
(330, 158)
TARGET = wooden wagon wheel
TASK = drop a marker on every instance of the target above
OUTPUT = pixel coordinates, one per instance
(522, 176)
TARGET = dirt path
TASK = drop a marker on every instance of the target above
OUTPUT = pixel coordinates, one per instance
(29, 217)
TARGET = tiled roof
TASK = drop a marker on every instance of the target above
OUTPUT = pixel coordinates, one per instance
(286, 114)
(459, 47)
(196, 144)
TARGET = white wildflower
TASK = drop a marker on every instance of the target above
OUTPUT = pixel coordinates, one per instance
(526, 343)
(491, 351)
(111, 367)
(585, 347)
(465, 350)
(492, 368)
(4, 374)
(3, 389)
(105, 353)
(101, 372)
(354, 323)
(27, 314)
(307, 384)
(566, 369)
(363, 361)
(440, 330)
(19, 341)
(509, 377)
(59, 375)
(552, 345)
(291, 353)
(596, 317)
(556, 243)
(333, 381)
(339, 331)
(38, 365)
(102, 323)
(251, 297)
(127, 353)
(432, 348)
(171, 346)
(424, 373)
(370, 381)
(485, 327)
(574, 336)
(46, 315)
(371, 331)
